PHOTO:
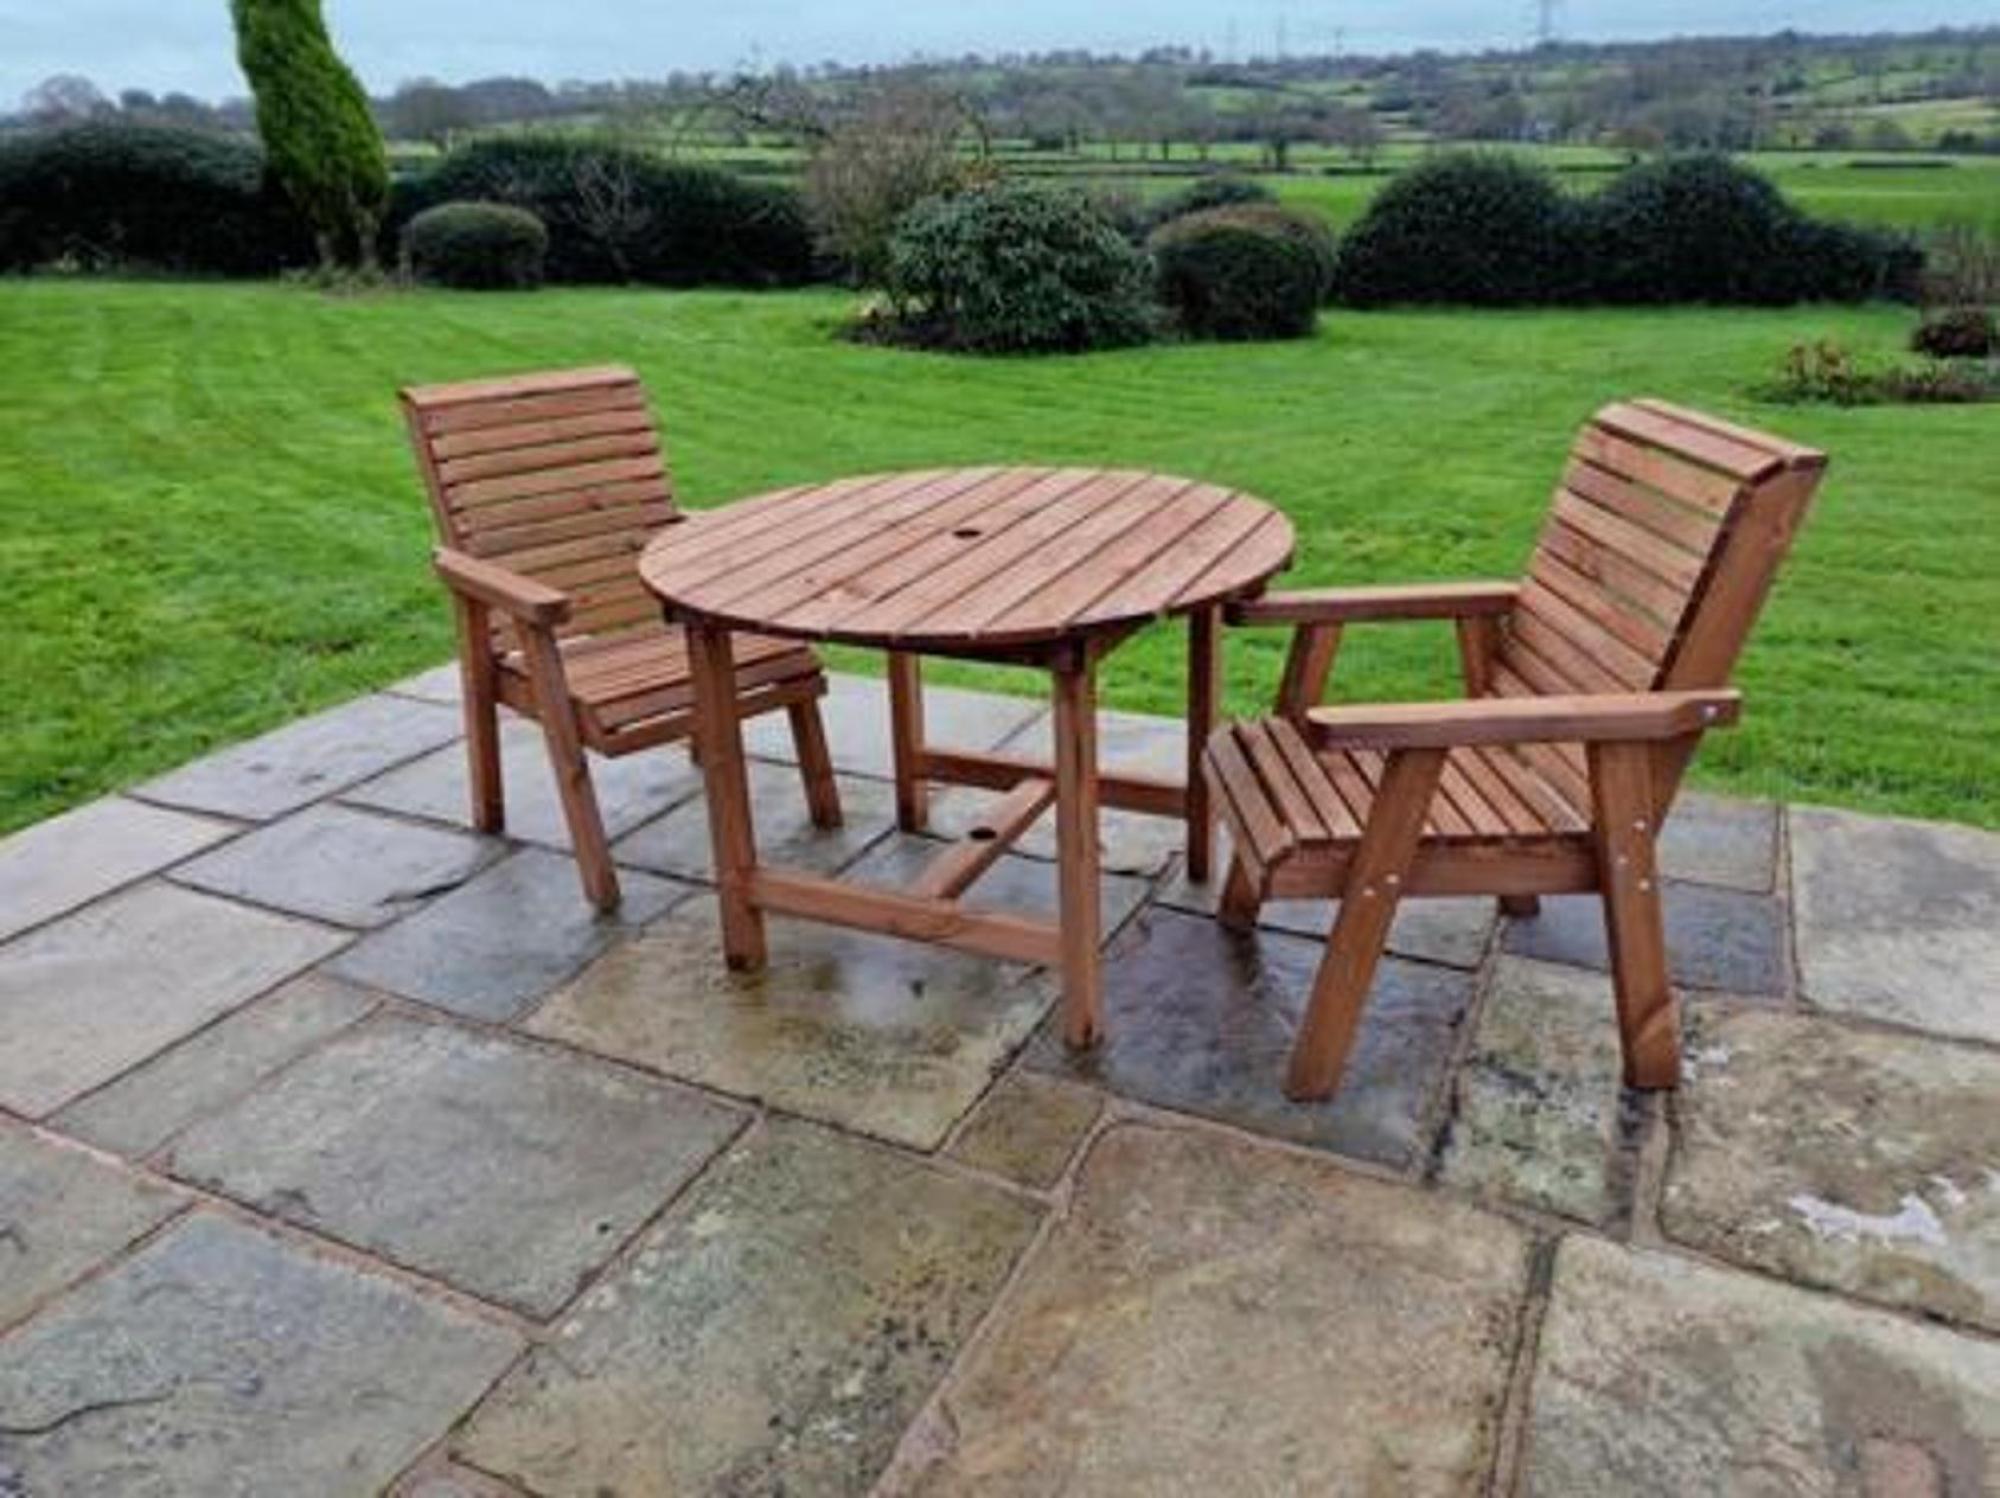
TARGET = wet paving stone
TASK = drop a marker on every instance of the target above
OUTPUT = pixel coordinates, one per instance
(678, 843)
(1899, 921)
(890, 1038)
(1202, 1020)
(1721, 840)
(629, 789)
(1862, 1161)
(1027, 1128)
(1214, 1317)
(493, 947)
(61, 1213)
(340, 865)
(774, 1334)
(1656, 1375)
(1716, 938)
(217, 1360)
(97, 992)
(1537, 1103)
(55, 866)
(308, 759)
(144, 1108)
(856, 712)
(439, 684)
(1454, 931)
(507, 1170)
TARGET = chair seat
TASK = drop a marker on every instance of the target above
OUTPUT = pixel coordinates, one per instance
(627, 685)
(1282, 797)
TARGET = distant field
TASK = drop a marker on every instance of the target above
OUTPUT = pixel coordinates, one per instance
(212, 524)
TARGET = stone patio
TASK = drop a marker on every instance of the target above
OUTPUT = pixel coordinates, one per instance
(343, 1150)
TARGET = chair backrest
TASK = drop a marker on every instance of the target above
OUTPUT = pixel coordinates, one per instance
(558, 476)
(1666, 532)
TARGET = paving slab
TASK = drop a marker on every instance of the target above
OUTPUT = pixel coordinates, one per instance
(1658, 1375)
(678, 842)
(1029, 886)
(1899, 921)
(1454, 930)
(1215, 1317)
(62, 1211)
(856, 712)
(1721, 840)
(439, 684)
(492, 947)
(54, 866)
(629, 789)
(308, 759)
(217, 1360)
(1716, 938)
(1864, 1161)
(141, 1110)
(886, 1037)
(1027, 1128)
(352, 868)
(1128, 843)
(511, 1171)
(1202, 1020)
(774, 1334)
(1537, 1103)
(97, 992)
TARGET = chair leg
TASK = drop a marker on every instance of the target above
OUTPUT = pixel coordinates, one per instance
(482, 716)
(815, 763)
(572, 770)
(1522, 907)
(1367, 906)
(1240, 901)
(1649, 1026)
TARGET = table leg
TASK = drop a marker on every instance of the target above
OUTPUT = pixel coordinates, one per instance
(906, 740)
(1204, 683)
(1076, 844)
(721, 735)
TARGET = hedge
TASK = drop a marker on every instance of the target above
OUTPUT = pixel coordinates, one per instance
(1229, 273)
(476, 247)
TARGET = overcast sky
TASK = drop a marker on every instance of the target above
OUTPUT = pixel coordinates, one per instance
(185, 44)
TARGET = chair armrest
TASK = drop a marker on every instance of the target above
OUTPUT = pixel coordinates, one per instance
(519, 597)
(1523, 720)
(1346, 605)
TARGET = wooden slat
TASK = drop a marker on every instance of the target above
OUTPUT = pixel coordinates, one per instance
(1684, 440)
(453, 446)
(1293, 804)
(562, 480)
(1776, 446)
(1582, 631)
(493, 388)
(1169, 575)
(1012, 938)
(1267, 549)
(543, 507)
(1691, 530)
(1155, 795)
(507, 541)
(1633, 626)
(998, 828)
(1671, 564)
(1333, 812)
(1592, 559)
(557, 405)
(639, 442)
(1098, 582)
(1269, 838)
(1457, 787)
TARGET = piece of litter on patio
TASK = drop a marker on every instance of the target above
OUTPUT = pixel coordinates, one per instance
(1914, 1221)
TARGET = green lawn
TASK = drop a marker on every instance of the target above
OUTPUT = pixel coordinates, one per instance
(212, 524)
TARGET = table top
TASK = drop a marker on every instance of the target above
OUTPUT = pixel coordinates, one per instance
(968, 558)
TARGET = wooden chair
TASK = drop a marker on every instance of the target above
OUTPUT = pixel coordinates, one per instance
(545, 488)
(1589, 684)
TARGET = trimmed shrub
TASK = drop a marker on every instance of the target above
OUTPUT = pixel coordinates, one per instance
(615, 213)
(1222, 190)
(1704, 229)
(1470, 227)
(1229, 273)
(476, 247)
(313, 116)
(1958, 333)
(1308, 231)
(112, 196)
(1015, 268)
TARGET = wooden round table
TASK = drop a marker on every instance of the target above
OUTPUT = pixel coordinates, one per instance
(1042, 567)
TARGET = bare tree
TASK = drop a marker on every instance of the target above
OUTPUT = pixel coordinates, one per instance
(904, 141)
